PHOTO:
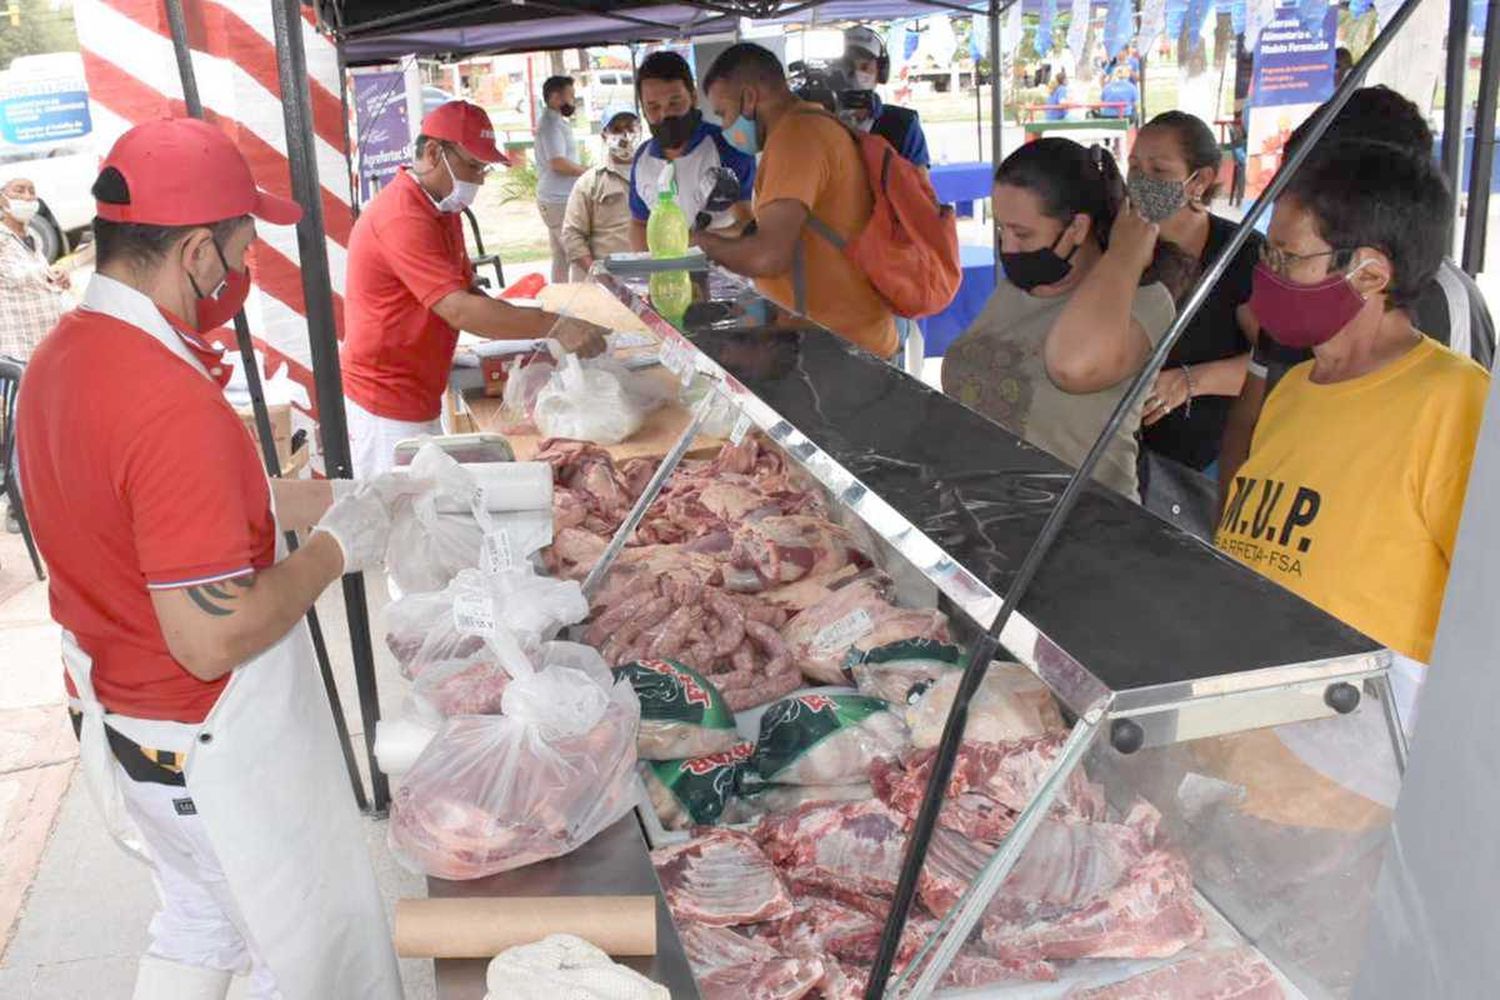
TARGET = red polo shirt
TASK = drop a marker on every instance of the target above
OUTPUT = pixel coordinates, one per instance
(138, 475)
(404, 256)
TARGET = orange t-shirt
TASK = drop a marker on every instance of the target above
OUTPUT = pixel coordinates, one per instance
(812, 159)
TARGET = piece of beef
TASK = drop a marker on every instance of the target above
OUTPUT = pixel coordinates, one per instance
(773, 551)
(1066, 862)
(770, 979)
(855, 616)
(1150, 913)
(1224, 974)
(990, 786)
(851, 850)
(721, 879)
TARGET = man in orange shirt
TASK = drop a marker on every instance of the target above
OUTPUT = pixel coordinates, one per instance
(809, 167)
(410, 289)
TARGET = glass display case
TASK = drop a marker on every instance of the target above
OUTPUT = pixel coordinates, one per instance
(1210, 800)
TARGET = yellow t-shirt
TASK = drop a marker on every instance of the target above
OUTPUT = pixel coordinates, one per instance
(812, 159)
(1352, 492)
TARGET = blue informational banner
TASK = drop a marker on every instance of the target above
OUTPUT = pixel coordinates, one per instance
(384, 131)
(26, 119)
(1293, 74)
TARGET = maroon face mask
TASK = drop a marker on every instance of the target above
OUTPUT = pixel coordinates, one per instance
(1302, 316)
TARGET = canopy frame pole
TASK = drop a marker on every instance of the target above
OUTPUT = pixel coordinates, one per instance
(1454, 87)
(997, 118)
(979, 655)
(1484, 144)
(177, 23)
(317, 294)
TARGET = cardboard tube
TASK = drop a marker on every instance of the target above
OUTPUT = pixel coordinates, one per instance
(480, 927)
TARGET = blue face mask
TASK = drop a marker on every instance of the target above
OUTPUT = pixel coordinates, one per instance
(743, 134)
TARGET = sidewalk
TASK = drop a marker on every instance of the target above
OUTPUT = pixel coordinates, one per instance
(73, 906)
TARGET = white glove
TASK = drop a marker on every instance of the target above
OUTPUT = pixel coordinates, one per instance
(361, 523)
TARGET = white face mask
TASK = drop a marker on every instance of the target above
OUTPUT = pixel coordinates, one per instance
(462, 195)
(864, 81)
(622, 144)
(23, 210)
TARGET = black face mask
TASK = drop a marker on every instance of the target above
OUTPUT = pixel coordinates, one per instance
(675, 131)
(566, 110)
(1028, 269)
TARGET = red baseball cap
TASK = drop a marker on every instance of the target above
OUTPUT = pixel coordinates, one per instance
(186, 172)
(467, 125)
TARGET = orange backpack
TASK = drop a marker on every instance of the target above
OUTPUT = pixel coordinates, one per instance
(909, 248)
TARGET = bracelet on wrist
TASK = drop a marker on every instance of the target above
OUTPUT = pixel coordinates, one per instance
(1187, 376)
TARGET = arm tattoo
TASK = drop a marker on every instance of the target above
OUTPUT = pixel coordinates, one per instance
(219, 600)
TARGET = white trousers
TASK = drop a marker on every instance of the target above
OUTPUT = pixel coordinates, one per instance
(198, 923)
(373, 440)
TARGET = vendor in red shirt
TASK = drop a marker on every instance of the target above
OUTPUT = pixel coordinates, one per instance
(411, 288)
(205, 737)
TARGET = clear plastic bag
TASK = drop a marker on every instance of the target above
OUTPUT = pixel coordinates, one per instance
(598, 400)
(525, 378)
(429, 547)
(493, 793)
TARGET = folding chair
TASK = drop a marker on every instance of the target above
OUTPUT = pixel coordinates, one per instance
(10, 384)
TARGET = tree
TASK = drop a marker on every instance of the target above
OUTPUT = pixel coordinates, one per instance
(33, 27)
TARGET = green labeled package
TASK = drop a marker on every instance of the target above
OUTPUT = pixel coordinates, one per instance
(682, 713)
(694, 792)
(825, 739)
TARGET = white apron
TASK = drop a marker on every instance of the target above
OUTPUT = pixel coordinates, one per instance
(267, 778)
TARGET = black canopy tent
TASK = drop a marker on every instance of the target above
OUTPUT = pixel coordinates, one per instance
(354, 18)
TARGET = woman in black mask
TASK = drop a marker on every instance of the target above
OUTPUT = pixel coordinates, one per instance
(1082, 303)
(1174, 172)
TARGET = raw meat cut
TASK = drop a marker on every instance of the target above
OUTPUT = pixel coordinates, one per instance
(1150, 913)
(1227, 974)
(722, 878)
(851, 850)
(901, 672)
(990, 786)
(1010, 704)
(770, 979)
(458, 687)
(855, 618)
(773, 551)
(729, 965)
(809, 590)
(1066, 862)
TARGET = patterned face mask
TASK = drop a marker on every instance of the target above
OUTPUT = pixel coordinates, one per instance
(1154, 198)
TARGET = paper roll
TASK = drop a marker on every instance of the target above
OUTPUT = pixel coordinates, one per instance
(507, 486)
(483, 927)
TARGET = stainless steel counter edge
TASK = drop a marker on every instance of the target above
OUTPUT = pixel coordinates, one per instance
(1069, 679)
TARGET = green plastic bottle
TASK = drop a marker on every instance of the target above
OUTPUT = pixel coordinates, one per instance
(667, 228)
(671, 293)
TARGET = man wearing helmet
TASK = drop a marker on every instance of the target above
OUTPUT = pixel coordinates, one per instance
(867, 64)
(205, 738)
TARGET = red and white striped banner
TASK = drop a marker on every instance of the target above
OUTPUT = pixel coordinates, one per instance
(132, 77)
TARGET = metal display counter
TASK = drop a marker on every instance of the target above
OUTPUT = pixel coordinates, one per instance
(615, 863)
(1185, 660)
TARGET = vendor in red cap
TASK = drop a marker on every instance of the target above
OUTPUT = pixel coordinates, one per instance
(410, 289)
(205, 738)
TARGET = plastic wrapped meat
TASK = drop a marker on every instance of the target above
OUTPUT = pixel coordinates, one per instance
(785, 798)
(495, 792)
(682, 714)
(1010, 704)
(474, 686)
(721, 879)
(838, 631)
(696, 791)
(821, 739)
(901, 672)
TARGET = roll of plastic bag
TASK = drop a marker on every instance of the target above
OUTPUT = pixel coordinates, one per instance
(507, 486)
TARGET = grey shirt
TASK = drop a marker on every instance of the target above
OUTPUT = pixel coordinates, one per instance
(999, 369)
(554, 137)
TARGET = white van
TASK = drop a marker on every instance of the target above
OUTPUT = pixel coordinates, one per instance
(46, 136)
